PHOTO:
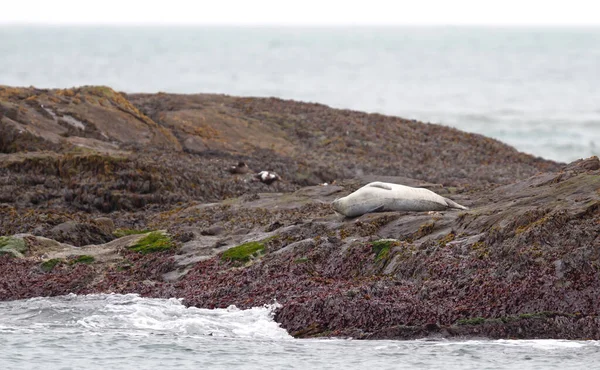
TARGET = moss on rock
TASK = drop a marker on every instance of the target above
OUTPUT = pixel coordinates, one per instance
(243, 252)
(382, 248)
(472, 321)
(15, 246)
(83, 259)
(153, 242)
(49, 265)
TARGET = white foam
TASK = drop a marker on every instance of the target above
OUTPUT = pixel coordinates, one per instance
(546, 344)
(171, 316)
(543, 344)
(135, 315)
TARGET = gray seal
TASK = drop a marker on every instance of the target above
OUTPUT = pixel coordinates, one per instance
(383, 196)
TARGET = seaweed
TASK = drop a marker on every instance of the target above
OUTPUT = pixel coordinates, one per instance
(382, 247)
(472, 321)
(14, 246)
(153, 242)
(49, 265)
(82, 259)
(243, 252)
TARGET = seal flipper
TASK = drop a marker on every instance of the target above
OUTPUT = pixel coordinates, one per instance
(453, 204)
(380, 185)
(376, 209)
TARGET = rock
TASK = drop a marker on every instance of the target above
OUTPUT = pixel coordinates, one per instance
(13, 245)
(79, 234)
(213, 230)
(274, 226)
(240, 231)
(522, 262)
(184, 236)
(105, 224)
(193, 144)
(588, 164)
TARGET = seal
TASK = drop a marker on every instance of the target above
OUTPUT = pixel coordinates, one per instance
(383, 196)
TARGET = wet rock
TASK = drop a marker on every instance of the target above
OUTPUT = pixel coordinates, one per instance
(79, 234)
(240, 231)
(250, 197)
(184, 236)
(12, 113)
(522, 262)
(213, 230)
(274, 226)
(581, 165)
(13, 245)
(193, 144)
(559, 266)
(105, 224)
(52, 183)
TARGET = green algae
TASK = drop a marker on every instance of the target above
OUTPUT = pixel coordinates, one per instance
(124, 265)
(83, 259)
(382, 248)
(243, 252)
(472, 321)
(49, 265)
(153, 242)
(15, 246)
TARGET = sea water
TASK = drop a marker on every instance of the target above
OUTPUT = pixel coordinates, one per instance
(537, 89)
(109, 331)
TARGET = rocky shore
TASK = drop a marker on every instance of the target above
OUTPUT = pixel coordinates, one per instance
(102, 191)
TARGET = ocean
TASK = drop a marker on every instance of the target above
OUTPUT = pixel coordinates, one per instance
(108, 331)
(537, 89)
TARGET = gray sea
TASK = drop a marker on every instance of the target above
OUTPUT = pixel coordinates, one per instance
(537, 89)
(126, 331)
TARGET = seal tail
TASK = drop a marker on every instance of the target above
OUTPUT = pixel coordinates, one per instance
(453, 204)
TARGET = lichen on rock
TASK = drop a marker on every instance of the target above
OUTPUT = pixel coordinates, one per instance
(13, 245)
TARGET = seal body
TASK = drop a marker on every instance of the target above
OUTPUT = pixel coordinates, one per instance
(383, 196)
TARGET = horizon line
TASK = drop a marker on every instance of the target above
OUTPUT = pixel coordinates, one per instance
(303, 25)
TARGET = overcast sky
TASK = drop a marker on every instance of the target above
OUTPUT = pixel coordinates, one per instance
(305, 12)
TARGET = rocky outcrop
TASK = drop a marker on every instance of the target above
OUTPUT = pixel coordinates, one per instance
(79, 214)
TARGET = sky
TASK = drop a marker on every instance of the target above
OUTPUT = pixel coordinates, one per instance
(305, 12)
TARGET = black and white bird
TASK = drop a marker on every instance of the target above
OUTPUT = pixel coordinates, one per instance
(240, 169)
(267, 177)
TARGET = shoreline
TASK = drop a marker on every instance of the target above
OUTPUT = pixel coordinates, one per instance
(130, 193)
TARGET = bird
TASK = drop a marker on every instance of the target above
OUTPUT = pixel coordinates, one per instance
(240, 169)
(267, 177)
